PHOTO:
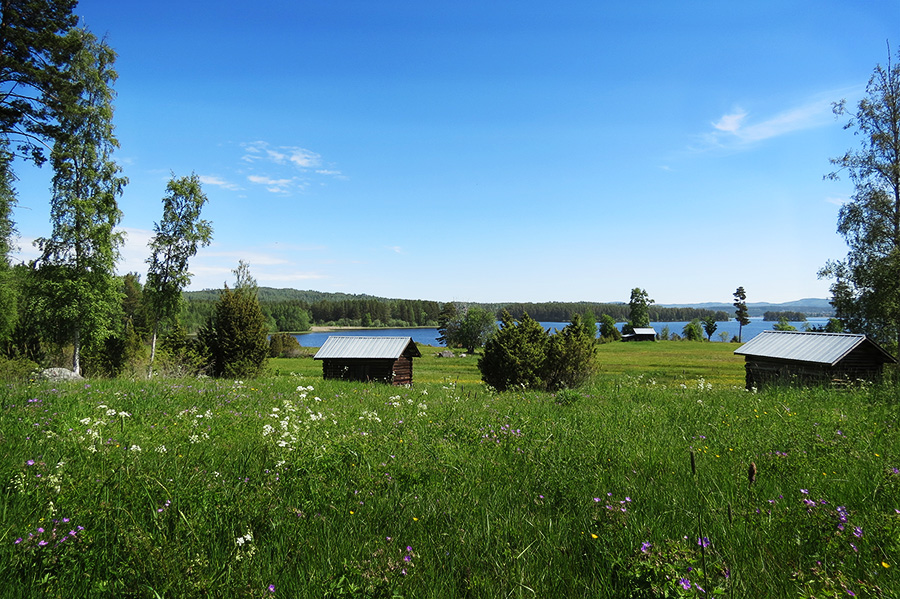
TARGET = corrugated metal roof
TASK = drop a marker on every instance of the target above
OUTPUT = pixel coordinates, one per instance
(345, 346)
(819, 348)
(644, 331)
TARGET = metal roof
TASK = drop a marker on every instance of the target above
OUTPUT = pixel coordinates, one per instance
(644, 331)
(346, 346)
(818, 348)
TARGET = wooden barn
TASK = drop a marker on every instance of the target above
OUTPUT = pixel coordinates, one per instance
(386, 359)
(787, 357)
(641, 334)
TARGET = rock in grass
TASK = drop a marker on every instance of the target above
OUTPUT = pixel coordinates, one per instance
(58, 374)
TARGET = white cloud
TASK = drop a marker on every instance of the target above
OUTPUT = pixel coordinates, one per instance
(300, 157)
(273, 185)
(730, 122)
(396, 249)
(738, 128)
(219, 182)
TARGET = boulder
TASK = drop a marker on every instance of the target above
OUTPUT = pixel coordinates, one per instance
(58, 374)
(446, 354)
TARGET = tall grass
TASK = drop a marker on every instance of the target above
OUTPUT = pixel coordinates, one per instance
(296, 487)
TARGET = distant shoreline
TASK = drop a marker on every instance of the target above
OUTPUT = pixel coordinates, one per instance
(328, 329)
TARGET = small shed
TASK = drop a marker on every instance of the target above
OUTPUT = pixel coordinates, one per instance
(812, 358)
(354, 358)
(641, 334)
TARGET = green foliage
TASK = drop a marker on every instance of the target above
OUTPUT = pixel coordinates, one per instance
(783, 325)
(465, 326)
(693, 331)
(521, 354)
(571, 355)
(608, 330)
(34, 52)
(284, 345)
(514, 356)
(741, 315)
(448, 323)
(178, 236)
(832, 326)
(639, 309)
(775, 316)
(78, 259)
(235, 338)
(866, 288)
(710, 326)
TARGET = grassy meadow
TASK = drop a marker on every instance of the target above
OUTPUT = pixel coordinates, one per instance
(636, 485)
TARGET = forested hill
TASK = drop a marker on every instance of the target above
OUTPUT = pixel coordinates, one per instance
(296, 310)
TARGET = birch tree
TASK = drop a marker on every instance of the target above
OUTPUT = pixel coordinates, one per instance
(178, 236)
(866, 288)
(79, 294)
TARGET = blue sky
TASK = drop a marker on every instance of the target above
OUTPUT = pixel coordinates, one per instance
(492, 151)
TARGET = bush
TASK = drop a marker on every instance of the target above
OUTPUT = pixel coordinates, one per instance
(284, 345)
(523, 354)
(235, 336)
(514, 356)
(693, 331)
(16, 369)
(570, 356)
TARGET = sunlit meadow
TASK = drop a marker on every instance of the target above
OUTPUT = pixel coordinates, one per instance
(291, 486)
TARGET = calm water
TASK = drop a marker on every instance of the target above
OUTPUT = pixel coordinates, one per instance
(430, 336)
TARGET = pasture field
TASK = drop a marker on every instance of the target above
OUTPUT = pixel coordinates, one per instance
(636, 485)
(666, 362)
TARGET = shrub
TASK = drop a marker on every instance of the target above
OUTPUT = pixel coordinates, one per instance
(608, 329)
(693, 331)
(514, 356)
(570, 356)
(523, 354)
(235, 336)
(284, 345)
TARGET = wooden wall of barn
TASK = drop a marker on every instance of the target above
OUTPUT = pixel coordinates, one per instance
(862, 364)
(397, 372)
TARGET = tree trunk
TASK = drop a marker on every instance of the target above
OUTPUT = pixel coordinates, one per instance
(153, 349)
(76, 352)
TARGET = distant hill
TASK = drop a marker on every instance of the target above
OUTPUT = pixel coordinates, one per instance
(810, 306)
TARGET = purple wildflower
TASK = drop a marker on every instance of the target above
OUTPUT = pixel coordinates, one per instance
(271, 588)
(645, 546)
(857, 532)
(685, 584)
(703, 542)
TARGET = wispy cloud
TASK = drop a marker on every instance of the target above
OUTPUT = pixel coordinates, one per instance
(300, 157)
(740, 128)
(273, 185)
(731, 123)
(396, 249)
(219, 182)
(285, 169)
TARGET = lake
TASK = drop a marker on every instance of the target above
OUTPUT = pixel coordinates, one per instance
(427, 336)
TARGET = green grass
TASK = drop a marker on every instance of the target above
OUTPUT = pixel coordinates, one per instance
(667, 362)
(206, 488)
